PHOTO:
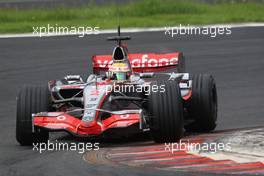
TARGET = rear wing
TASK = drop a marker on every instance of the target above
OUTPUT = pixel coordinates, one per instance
(150, 62)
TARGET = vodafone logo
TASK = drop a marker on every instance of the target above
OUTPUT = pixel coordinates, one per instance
(103, 64)
(144, 61)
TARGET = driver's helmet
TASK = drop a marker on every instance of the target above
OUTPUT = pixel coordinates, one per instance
(120, 71)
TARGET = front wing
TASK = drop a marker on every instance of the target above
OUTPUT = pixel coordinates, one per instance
(57, 121)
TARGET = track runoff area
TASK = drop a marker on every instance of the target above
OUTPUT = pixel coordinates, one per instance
(222, 152)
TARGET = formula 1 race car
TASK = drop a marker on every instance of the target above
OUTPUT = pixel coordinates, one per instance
(126, 94)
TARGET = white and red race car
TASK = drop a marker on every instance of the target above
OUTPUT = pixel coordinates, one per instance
(147, 99)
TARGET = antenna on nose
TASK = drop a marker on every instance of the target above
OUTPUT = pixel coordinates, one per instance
(118, 38)
(118, 30)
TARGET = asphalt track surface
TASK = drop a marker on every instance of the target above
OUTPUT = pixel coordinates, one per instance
(236, 61)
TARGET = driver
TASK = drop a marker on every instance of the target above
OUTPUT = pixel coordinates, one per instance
(120, 71)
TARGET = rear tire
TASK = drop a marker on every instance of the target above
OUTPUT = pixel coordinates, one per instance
(31, 99)
(203, 104)
(166, 109)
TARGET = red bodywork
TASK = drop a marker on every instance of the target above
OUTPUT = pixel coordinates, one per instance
(63, 121)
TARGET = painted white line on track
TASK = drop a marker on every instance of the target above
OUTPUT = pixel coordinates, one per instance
(129, 30)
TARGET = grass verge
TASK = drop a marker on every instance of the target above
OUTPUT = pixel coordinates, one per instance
(145, 13)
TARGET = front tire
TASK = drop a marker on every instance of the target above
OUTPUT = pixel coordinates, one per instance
(31, 99)
(203, 104)
(166, 109)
